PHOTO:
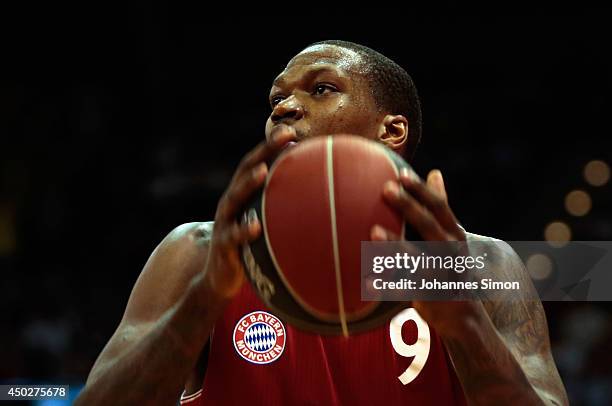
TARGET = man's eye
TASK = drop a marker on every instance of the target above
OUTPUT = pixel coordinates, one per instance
(275, 100)
(322, 89)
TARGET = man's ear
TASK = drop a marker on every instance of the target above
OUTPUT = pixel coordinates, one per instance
(393, 132)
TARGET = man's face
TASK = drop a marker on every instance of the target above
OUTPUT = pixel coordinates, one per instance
(323, 91)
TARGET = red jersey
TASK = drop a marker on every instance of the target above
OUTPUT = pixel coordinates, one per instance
(257, 359)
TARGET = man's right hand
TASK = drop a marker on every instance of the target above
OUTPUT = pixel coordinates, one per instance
(224, 269)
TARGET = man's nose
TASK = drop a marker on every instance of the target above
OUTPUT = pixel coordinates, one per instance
(287, 111)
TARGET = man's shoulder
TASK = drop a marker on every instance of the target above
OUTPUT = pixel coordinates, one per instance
(481, 238)
(490, 243)
(184, 248)
(499, 253)
(494, 247)
(197, 232)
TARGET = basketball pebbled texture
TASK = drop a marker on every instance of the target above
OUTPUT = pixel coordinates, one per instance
(320, 200)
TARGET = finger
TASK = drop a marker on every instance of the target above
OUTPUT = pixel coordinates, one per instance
(229, 236)
(380, 233)
(267, 149)
(370, 292)
(434, 202)
(251, 173)
(227, 278)
(436, 182)
(414, 213)
(240, 190)
(238, 234)
(251, 225)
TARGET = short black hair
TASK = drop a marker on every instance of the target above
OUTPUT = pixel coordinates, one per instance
(392, 88)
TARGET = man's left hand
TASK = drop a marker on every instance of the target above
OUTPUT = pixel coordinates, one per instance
(425, 207)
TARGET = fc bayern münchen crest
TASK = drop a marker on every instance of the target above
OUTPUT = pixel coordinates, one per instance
(260, 337)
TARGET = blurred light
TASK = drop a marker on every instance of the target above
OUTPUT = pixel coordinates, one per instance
(539, 266)
(557, 233)
(578, 203)
(73, 392)
(597, 173)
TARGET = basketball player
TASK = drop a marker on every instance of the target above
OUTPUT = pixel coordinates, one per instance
(178, 331)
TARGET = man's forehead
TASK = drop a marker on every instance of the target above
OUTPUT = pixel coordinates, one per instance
(323, 54)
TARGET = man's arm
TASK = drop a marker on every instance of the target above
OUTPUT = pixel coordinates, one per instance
(180, 293)
(501, 351)
(166, 324)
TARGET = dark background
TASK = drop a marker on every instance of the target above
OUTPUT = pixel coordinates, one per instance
(118, 125)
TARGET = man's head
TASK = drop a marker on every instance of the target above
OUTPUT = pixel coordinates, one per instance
(334, 87)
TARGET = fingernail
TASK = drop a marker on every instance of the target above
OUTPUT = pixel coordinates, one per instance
(252, 217)
(439, 177)
(261, 171)
(392, 189)
(379, 233)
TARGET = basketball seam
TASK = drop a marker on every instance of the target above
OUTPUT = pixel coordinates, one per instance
(327, 317)
(332, 208)
(190, 398)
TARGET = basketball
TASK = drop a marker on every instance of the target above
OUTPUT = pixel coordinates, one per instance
(321, 199)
